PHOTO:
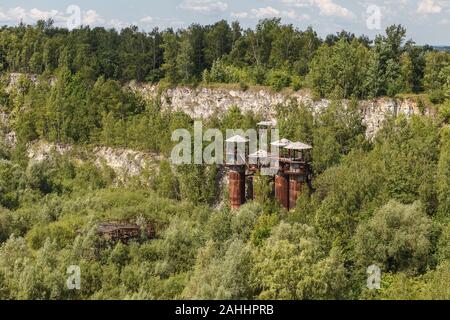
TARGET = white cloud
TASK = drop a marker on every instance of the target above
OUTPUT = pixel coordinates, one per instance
(118, 24)
(268, 12)
(326, 7)
(91, 17)
(204, 6)
(265, 12)
(147, 19)
(152, 22)
(428, 6)
(37, 14)
(298, 3)
(289, 14)
(329, 8)
(240, 15)
(17, 14)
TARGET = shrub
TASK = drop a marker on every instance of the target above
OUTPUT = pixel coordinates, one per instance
(278, 79)
(396, 238)
(243, 86)
(296, 83)
(437, 96)
(258, 75)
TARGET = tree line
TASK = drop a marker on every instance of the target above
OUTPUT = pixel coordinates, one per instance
(341, 66)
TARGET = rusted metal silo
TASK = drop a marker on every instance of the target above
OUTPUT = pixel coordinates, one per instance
(296, 186)
(236, 182)
(282, 190)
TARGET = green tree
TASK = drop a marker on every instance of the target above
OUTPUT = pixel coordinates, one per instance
(396, 238)
(291, 266)
(171, 49)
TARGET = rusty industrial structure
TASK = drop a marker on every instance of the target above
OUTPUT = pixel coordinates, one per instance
(290, 178)
(124, 231)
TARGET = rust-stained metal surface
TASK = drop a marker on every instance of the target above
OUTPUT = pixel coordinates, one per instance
(296, 186)
(282, 190)
(292, 176)
(236, 183)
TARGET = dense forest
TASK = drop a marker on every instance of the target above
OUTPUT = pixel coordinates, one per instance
(383, 201)
(273, 54)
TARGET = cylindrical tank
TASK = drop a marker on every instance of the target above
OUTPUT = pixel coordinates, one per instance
(282, 190)
(295, 188)
(236, 182)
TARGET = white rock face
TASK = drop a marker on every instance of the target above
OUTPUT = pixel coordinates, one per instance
(205, 102)
(126, 163)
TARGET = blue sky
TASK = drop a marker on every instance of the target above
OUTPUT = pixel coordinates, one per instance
(427, 21)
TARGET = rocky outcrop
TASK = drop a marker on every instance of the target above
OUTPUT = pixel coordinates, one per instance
(125, 163)
(204, 102)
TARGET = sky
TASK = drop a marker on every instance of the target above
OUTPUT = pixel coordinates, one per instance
(427, 21)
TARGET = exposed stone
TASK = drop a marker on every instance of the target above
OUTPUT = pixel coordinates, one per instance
(204, 102)
(124, 162)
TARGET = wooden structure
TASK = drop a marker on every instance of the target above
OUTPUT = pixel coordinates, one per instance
(292, 177)
(124, 231)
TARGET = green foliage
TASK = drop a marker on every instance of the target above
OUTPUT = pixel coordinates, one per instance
(243, 222)
(437, 71)
(339, 70)
(263, 228)
(430, 286)
(278, 80)
(272, 54)
(179, 246)
(221, 273)
(291, 266)
(338, 129)
(197, 183)
(396, 238)
(166, 183)
(383, 201)
(443, 174)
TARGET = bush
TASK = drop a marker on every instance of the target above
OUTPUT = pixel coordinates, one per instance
(278, 80)
(296, 83)
(258, 75)
(396, 238)
(243, 86)
(223, 73)
(437, 96)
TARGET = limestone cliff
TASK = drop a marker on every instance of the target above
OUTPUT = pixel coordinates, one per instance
(204, 102)
(125, 163)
